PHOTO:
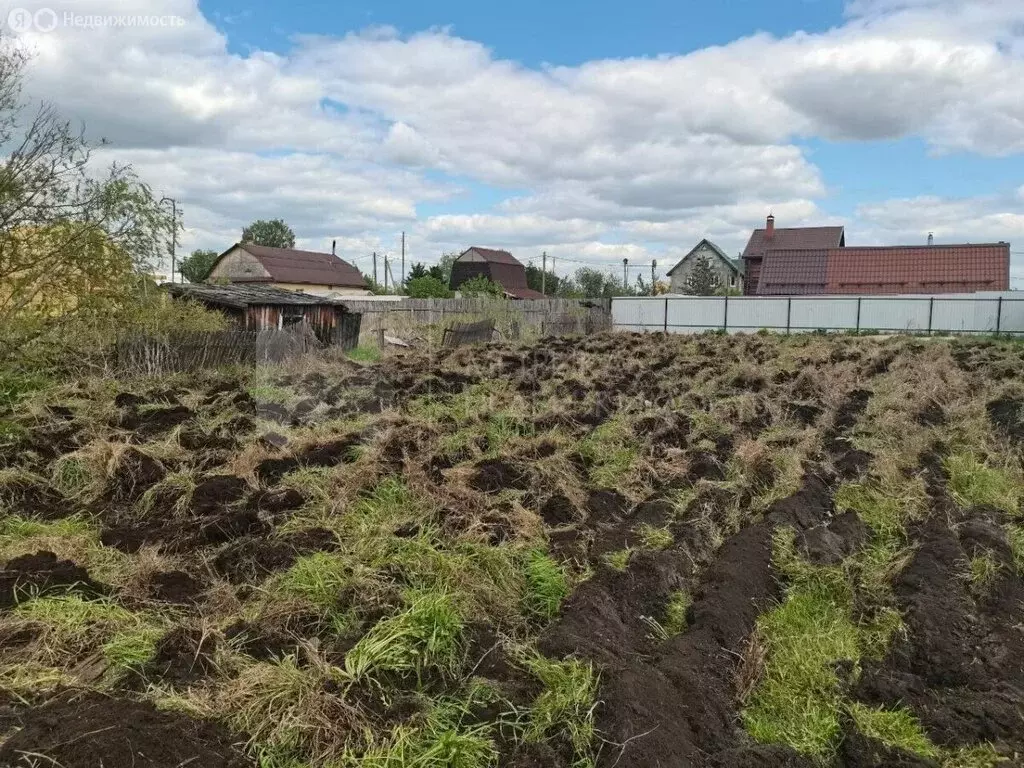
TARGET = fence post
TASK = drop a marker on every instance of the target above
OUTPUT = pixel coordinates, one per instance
(725, 314)
(789, 312)
(999, 315)
(931, 309)
(666, 314)
(858, 313)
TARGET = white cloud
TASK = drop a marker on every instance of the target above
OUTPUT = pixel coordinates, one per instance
(348, 137)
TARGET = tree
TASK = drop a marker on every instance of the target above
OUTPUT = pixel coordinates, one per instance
(702, 280)
(443, 269)
(427, 287)
(74, 239)
(538, 280)
(196, 268)
(417, 271)
(273, 233)
(481, 287)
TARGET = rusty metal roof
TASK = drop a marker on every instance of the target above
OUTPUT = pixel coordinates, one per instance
(241, 296)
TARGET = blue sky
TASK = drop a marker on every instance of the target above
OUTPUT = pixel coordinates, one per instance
(594, 131)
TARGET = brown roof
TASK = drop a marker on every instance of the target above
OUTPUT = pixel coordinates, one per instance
(493, 256)
(792, 238)
(919, 268)
(288, 265)
(793, 272)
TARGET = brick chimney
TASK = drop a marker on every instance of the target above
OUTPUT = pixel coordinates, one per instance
(769, 230)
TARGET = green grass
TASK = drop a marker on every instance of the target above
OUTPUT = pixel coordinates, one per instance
(885, 507)
(566, 705)
(799, 700)
(655, 538)
(983, 571)
(619, 559)
(269, 393)
(611, 451)
(429, 633)
(679, 603)
(546, 584)
(73, 626)
(364, 354)
(73, 477)
(973, 482)
(893, 727)
(319, 579)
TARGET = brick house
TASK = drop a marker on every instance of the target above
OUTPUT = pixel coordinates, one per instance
(499, 267)
(816, 260)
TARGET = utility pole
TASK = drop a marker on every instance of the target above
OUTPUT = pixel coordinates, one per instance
(375, 268)
(625, 273)
(174, 230)
(653, 265)
(544, 273)
(403, 259)
(385, 273)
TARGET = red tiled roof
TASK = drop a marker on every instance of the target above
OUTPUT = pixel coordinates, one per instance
(288, 265)
(493, 256)
(918, 269)
(793, 272)
(792, 238)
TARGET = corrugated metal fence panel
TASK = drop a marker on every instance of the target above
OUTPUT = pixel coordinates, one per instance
(813, 314)
(966, 313)
(883, 314)
(701, 314)
(752, 314)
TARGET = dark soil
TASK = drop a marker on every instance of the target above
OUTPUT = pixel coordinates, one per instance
(1007, 414)
(959, 669)
(494, 475)
(174, 587)
(182, 658)
(43, 573)
(253, 559)
(136, 473)
(89, 730)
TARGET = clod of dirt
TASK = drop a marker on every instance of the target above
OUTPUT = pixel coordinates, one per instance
(704, 466)
(233, 524)
(215, 493)
(44, 573)
(174, 587)
(833, 542)
(859, 751)
(273, 412)
(558, 511)
(274, 440)
(276, 501)
(136, 473)
(270, 471)
(1007, 414)
(155, 421)
(254, 559)
(495, 475)
(761, 756)
(605, 506)
(259, 642)
(184, 656)
(128, 400)
(86, 730)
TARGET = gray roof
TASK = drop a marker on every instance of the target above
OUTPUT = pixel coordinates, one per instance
(240, 296)
(721, 254)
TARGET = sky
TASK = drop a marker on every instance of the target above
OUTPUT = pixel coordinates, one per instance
(592, 132)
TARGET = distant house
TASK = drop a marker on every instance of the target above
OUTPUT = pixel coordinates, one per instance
(816, 260)
(321, 274)
(264, 307)
(728, 270)
(500, 267)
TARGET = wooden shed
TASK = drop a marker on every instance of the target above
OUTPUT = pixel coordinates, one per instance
(262, 307)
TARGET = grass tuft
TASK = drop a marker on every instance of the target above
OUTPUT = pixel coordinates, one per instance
(654, 537)
(679, 603)
(428, 634)
(566, 705)
(546, 584)
(611, 451)
(893, 727)
(973, 482)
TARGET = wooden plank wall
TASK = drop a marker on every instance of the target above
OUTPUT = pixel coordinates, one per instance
(425, 319)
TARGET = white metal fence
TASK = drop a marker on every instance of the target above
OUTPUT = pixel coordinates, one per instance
(993, 313)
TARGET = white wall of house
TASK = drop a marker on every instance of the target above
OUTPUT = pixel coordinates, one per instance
(726, 276)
